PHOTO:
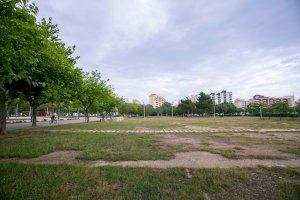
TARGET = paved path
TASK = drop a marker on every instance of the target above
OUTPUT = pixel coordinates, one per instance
(22, 125)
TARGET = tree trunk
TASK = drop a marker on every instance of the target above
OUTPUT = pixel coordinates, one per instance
(34, 115)
(87, 117)
(2, 115)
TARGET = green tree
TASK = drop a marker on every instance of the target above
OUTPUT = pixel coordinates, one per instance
(33, 58)
(150, 111)
(280, 108)
(123, 108)
(92, 92)
(204, 104)
(297, 108)
(167, 108)
(18, 50)
(186, 106)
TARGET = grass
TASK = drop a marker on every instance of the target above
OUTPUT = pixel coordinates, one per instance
(293, 150)
(94, 146)
(41, 181)
(177, 122)
(19, 181)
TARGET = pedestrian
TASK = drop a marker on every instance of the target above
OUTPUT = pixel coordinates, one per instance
(52, 119)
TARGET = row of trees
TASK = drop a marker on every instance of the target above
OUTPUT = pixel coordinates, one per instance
(277, 109)
(36, 66)
(205, 106)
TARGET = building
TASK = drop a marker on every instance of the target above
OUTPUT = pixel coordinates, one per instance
(136, 101)
(241, 103)
(222, 97)
(156, 101)
(290, 100)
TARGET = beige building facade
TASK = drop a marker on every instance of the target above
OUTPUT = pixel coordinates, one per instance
(156, 100)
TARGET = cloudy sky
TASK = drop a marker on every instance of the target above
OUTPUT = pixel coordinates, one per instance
(178, 48)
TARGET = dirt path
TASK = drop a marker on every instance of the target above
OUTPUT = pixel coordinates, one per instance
(201, 160)
(197, 159)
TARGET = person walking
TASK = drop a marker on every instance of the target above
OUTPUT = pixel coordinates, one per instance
(52, 119)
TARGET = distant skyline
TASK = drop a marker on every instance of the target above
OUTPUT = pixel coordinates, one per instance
(178, 48)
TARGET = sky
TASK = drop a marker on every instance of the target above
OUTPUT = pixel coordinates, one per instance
(178, 48)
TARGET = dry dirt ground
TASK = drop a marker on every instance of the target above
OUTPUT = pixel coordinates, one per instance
(203, 152)
(198, 159)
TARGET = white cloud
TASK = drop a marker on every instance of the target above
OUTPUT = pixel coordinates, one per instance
(130, 23)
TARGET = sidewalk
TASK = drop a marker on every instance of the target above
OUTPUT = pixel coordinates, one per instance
(22, 125)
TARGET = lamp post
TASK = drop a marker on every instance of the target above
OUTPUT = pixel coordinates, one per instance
(214, 109)
(144, 110)
(260, 112)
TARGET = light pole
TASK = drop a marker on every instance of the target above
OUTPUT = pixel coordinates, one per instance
(214, 109)
(144, 110)
(260, 111)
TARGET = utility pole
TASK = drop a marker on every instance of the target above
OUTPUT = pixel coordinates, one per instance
(214, 109)
(260, 111)
(172, 111)
(144, 111)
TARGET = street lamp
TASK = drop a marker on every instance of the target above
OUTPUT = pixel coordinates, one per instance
(144, 110)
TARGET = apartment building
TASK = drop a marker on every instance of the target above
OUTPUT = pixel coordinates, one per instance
(241, 103)
(156, 100)
(222, 97)
(290, 100)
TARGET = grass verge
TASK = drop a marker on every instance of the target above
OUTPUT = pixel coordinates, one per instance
(19, 181)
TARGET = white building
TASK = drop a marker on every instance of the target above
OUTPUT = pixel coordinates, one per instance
(156, 101)
(222, 97)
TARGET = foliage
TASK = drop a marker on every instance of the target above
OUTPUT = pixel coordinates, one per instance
(186, 106)
(93, 93)
(226, 108)
(204, 104)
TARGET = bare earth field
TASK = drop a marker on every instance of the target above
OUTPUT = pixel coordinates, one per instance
(236, 158)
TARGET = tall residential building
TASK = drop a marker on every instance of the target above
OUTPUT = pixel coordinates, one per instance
(222, 97)
(241, 103)
(290, 100)
(156, 101)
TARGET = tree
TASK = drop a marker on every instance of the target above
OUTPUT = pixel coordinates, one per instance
(297, 108)
(18, 50)
(186, 106)
(204, 104)
(149, 110)
(123, 108)
(167, 108)
(92, 93)
(280, 108)
(255, 108)
(226, 108)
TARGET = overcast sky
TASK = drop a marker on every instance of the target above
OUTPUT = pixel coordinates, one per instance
(178, 48)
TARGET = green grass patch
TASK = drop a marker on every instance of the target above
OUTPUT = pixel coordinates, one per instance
(94, 146)
(155, 123)
(21, 181)
(292, 150)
